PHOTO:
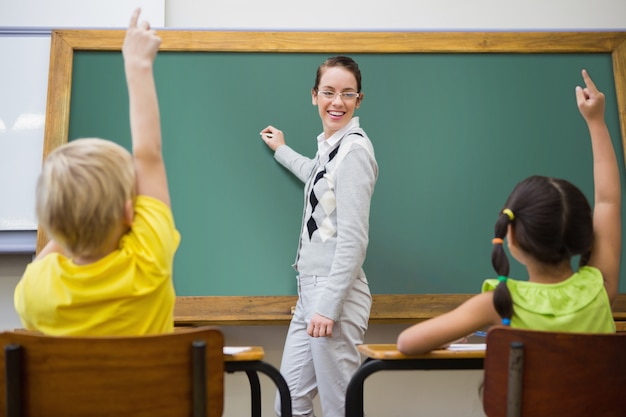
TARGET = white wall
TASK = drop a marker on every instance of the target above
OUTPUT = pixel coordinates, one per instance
(78, 13)
(397, 14)
(389, 394)
(11, 269)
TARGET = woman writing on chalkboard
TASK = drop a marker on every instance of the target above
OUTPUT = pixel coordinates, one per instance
(334, 300)
(547, 221)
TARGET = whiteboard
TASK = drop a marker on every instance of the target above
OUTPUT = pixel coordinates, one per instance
(23, 83)
(25, 28)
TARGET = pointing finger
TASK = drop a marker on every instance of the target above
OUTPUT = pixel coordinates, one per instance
(134, 18)
(588, 81)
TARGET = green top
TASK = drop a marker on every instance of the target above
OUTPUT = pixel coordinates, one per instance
(578, 304)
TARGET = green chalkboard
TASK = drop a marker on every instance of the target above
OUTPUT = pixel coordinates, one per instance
(453, 133)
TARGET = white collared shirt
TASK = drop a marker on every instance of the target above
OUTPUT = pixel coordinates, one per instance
(326, 146)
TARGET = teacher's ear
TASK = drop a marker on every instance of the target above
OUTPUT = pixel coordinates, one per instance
(359, 99)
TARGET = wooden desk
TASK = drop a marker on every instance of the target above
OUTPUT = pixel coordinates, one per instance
(381, 357)
(251, 361)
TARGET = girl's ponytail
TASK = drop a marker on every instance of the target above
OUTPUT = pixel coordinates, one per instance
(502, 300)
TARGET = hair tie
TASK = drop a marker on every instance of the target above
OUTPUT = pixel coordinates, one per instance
(497, 241)
(502, 278)
(509, 213)
(506, 322)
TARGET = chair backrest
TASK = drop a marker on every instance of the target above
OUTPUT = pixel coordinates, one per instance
(535, 373)
(177, 374)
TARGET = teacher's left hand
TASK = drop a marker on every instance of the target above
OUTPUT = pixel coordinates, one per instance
(320, 326)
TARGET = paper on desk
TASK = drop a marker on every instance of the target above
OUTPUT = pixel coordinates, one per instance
(233, 350)
(467, 346)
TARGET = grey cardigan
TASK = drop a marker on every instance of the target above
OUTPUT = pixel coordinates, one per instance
(337, 250)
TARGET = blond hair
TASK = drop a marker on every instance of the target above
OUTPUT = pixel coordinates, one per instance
(81, 193)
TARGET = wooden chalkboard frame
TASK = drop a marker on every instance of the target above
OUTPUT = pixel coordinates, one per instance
(276, 310)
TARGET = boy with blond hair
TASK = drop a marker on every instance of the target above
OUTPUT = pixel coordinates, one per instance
(107, 269)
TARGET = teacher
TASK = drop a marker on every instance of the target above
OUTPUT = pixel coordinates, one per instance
(334, 300)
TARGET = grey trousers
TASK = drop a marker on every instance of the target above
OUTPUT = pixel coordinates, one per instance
(323, 365)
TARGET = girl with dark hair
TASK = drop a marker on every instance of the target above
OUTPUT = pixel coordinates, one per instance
(546, 222)
(334, 299)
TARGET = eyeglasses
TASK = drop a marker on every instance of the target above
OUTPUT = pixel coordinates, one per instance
(346, 95)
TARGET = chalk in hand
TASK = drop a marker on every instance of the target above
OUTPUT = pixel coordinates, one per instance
(268, 135)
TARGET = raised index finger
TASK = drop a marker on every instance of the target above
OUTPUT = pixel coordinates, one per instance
(588, 81)
(134, 18)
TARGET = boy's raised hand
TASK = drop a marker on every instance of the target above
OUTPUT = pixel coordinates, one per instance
(141, 43)
(590, 101)
(140, 48)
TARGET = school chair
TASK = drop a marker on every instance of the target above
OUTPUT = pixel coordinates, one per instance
(176, 374)
(537, 373)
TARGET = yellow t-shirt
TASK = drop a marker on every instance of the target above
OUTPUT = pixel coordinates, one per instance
(578, 304)
(127, 293)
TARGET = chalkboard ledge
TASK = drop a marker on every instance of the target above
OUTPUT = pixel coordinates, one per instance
(18, 241)
(276, 310)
